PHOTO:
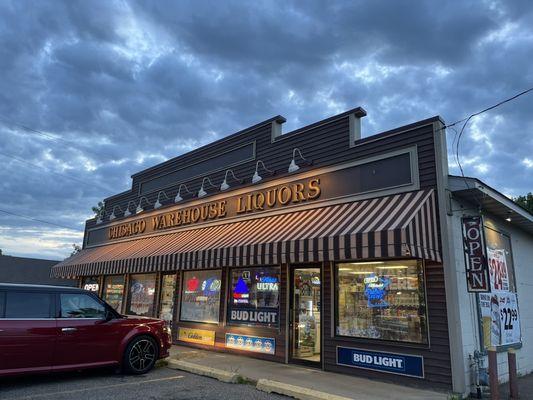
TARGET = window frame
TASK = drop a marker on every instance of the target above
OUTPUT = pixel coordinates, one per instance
(362, 339)
(229, 298)
(52, 308)
(182, 284)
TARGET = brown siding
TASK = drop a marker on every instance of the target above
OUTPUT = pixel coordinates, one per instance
(436, 355)
(325, 144)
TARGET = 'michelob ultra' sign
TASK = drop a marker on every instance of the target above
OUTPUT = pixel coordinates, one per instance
(402, 364)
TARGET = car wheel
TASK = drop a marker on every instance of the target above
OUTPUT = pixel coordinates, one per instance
(140, 355)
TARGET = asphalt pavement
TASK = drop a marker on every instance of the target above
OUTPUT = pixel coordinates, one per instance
(161, 383)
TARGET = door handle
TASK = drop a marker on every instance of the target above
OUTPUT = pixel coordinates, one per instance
(68, 330)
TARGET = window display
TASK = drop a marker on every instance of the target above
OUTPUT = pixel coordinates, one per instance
(141, 295)
(114, 291)
(382, 300)
(254, 296)
(166, 305)
(200, 296)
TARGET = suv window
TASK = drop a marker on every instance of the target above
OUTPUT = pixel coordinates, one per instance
(79, 305)
(28, 305)
(2, 303)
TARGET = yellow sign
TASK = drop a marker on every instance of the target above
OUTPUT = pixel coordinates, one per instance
(197, 336)
(257, 201)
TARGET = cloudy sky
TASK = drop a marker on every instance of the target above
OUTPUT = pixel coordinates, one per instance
(93, 91)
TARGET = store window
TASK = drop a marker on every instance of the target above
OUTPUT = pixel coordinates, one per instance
(91, 283)
(254, 297)
(166, 305)
(114, 291)
(141, 297)
(382, 300)
(200, 296)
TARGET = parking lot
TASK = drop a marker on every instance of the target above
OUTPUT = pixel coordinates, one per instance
(161, 383)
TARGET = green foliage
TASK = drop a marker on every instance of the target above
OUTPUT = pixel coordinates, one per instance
(98, 208)
(525, 201)
(75, 249)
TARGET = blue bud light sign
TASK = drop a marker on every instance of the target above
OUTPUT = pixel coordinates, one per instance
(393, 363)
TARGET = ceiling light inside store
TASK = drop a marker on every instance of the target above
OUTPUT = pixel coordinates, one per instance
(393, 267)
(368, 263)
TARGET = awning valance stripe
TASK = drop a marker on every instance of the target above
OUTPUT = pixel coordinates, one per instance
(392, 226)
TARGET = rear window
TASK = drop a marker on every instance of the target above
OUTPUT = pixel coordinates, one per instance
(28, 305)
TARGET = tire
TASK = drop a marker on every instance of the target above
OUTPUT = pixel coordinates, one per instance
(140, 356)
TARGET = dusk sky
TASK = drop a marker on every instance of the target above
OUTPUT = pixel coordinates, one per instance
(94, 91)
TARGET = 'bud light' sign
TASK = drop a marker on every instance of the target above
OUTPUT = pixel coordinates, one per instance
(393, 363)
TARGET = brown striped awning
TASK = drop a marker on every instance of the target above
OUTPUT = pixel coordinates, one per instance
(391, 226)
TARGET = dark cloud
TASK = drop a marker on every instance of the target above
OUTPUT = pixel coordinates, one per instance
(123, 85)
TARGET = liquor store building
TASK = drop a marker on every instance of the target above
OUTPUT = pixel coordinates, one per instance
(316, 247)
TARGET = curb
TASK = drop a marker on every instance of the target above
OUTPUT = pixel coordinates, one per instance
(221, 375)
(297, 392)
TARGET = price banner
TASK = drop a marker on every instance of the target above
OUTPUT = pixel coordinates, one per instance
(509, 319)
(499, 276)
(500, 319)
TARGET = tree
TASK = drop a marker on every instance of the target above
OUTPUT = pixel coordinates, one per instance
(525, 201)
(98, 208)
(75, 249)
(0, 252)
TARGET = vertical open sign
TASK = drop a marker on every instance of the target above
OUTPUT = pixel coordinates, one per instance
(477, 269)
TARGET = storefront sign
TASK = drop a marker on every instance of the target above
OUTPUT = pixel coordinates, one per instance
(499, 276)
(200, 336)
(91, 287)
(254, 316)
(477, 272)
(500, 319)
(275, 197)
(401, 364)
(251, 343)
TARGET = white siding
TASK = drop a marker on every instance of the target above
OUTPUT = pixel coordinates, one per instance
(522, 247)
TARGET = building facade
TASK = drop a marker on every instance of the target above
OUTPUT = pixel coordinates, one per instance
(316, 247)
(30, 270)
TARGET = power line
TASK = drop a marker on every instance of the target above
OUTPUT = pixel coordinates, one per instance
(55, 138)
(54, 172)
(466, 120)
(39, 220)
(487, 109)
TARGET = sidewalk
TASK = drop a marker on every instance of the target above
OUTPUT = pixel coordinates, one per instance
(308, 379)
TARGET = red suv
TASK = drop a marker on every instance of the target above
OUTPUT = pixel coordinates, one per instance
(52, 328)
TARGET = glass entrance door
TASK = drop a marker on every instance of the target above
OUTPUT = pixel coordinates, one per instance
(305, 313)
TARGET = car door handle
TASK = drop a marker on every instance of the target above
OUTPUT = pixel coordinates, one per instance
(68, 330)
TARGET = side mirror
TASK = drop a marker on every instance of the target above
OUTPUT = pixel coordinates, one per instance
(109, 315)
